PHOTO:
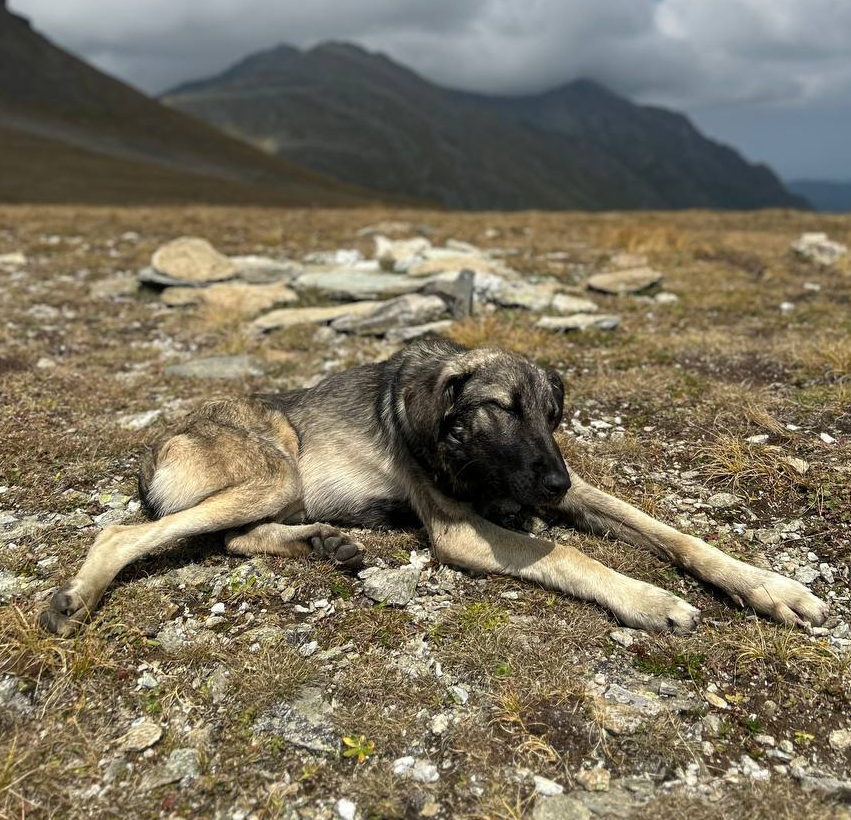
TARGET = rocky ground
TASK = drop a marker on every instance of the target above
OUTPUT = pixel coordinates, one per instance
(708, 367)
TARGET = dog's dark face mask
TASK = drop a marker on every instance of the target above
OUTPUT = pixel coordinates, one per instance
(493, 439)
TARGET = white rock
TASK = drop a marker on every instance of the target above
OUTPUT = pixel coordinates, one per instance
(722, 500)
(666, 298)
(625, 281)
(400, 254)
(762, 438)
(546, 787)
(138, 421)
(218, 608)
(817, 247)
(15, 259)
(564, 303)
(192, 260)
(827, 438)
(439, 723)
(840, 739)
(346, 809)
(579, 321)
(786, 307)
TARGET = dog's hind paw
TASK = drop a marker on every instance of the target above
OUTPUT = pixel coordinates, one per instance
(782, 599)
(346, 554)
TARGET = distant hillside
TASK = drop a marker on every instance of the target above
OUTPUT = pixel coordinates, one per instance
(361, 117)
(832, 197)
(70, 133)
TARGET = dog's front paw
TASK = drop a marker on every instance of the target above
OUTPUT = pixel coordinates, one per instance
(66, 612)
(336, 546)
(656, 610)
(783, 599)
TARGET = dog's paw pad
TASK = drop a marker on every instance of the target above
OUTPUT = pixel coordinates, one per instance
(340, 550)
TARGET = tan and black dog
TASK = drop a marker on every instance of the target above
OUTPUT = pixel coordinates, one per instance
(453, 438)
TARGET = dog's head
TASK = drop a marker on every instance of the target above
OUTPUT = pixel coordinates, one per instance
(486, 420)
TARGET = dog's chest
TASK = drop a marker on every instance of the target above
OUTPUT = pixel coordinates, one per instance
(345, 486)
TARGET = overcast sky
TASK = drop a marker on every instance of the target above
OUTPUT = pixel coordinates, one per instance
(771, 77)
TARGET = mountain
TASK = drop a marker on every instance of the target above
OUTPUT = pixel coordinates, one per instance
(360, 117)
(832, 197)
(69, 133)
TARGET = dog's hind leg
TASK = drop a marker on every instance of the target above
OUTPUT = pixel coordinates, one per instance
(782, 599)
(200, 484)
(462, 538)
(297, 541)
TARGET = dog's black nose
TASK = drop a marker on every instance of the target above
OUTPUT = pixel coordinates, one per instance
(556, 482)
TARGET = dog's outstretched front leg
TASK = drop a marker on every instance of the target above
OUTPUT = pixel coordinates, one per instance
(768, 593)
(462, 538)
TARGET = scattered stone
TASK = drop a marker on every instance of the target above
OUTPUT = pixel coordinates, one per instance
(439, 724)
(191, 260)
(400, 254)
(764, 740)
(546, 787)
(563, 303)
(138, 421)
(818, 248)
(827, 438)
(799, 465)
(140, 736)
(459, 694)
(762, 438)
(594, 780)
(354, 286)
(417, 769)
(722, 500)
(217, 367)
(535, 297)
(291, 317)
(406, 334)
(305, 722)
(182, 764)
(840, 739)
(345, 809)
(625, 637)
(45, 363)
(666, 298)
(560, 807)
(752, 769)
(579, 321)
(10, 261)
(411, 309)
(386, 227)
(716, 700)
(12, 696)
(12, 585)
(807, 574)
(454, 262)
(147, 681)
(238, 298)
(342, 257)
(712, 725)
(390, 586)
(123, 284)
(633, 280)
(262, 270)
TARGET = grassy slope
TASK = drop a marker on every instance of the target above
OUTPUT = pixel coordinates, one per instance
(692, 381)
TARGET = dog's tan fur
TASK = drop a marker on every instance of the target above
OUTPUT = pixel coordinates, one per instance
(239, 467)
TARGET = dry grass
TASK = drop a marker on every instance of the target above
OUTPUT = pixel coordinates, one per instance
(691, 382)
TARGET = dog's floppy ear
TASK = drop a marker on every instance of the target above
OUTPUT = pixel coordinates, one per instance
(429, 401)
(557, 385)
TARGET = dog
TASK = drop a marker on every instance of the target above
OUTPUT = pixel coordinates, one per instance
(451, 438)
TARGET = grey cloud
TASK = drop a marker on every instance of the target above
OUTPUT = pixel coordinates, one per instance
(704, 56)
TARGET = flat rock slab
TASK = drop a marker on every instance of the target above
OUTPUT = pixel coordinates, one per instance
(410, 309)
(407, 334)
(817, 247)
(621, 282)
(262, 269)
(453, 262)
(122, 284)
(217, 367)
(236, 297)
(182, 764)
(565, 303)
(193, 260)
(399, 254)
(304, 722)
(579, 321)
(354, 285)
(291, 317)
(141, 736)
(526, 295)
(390, 586)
